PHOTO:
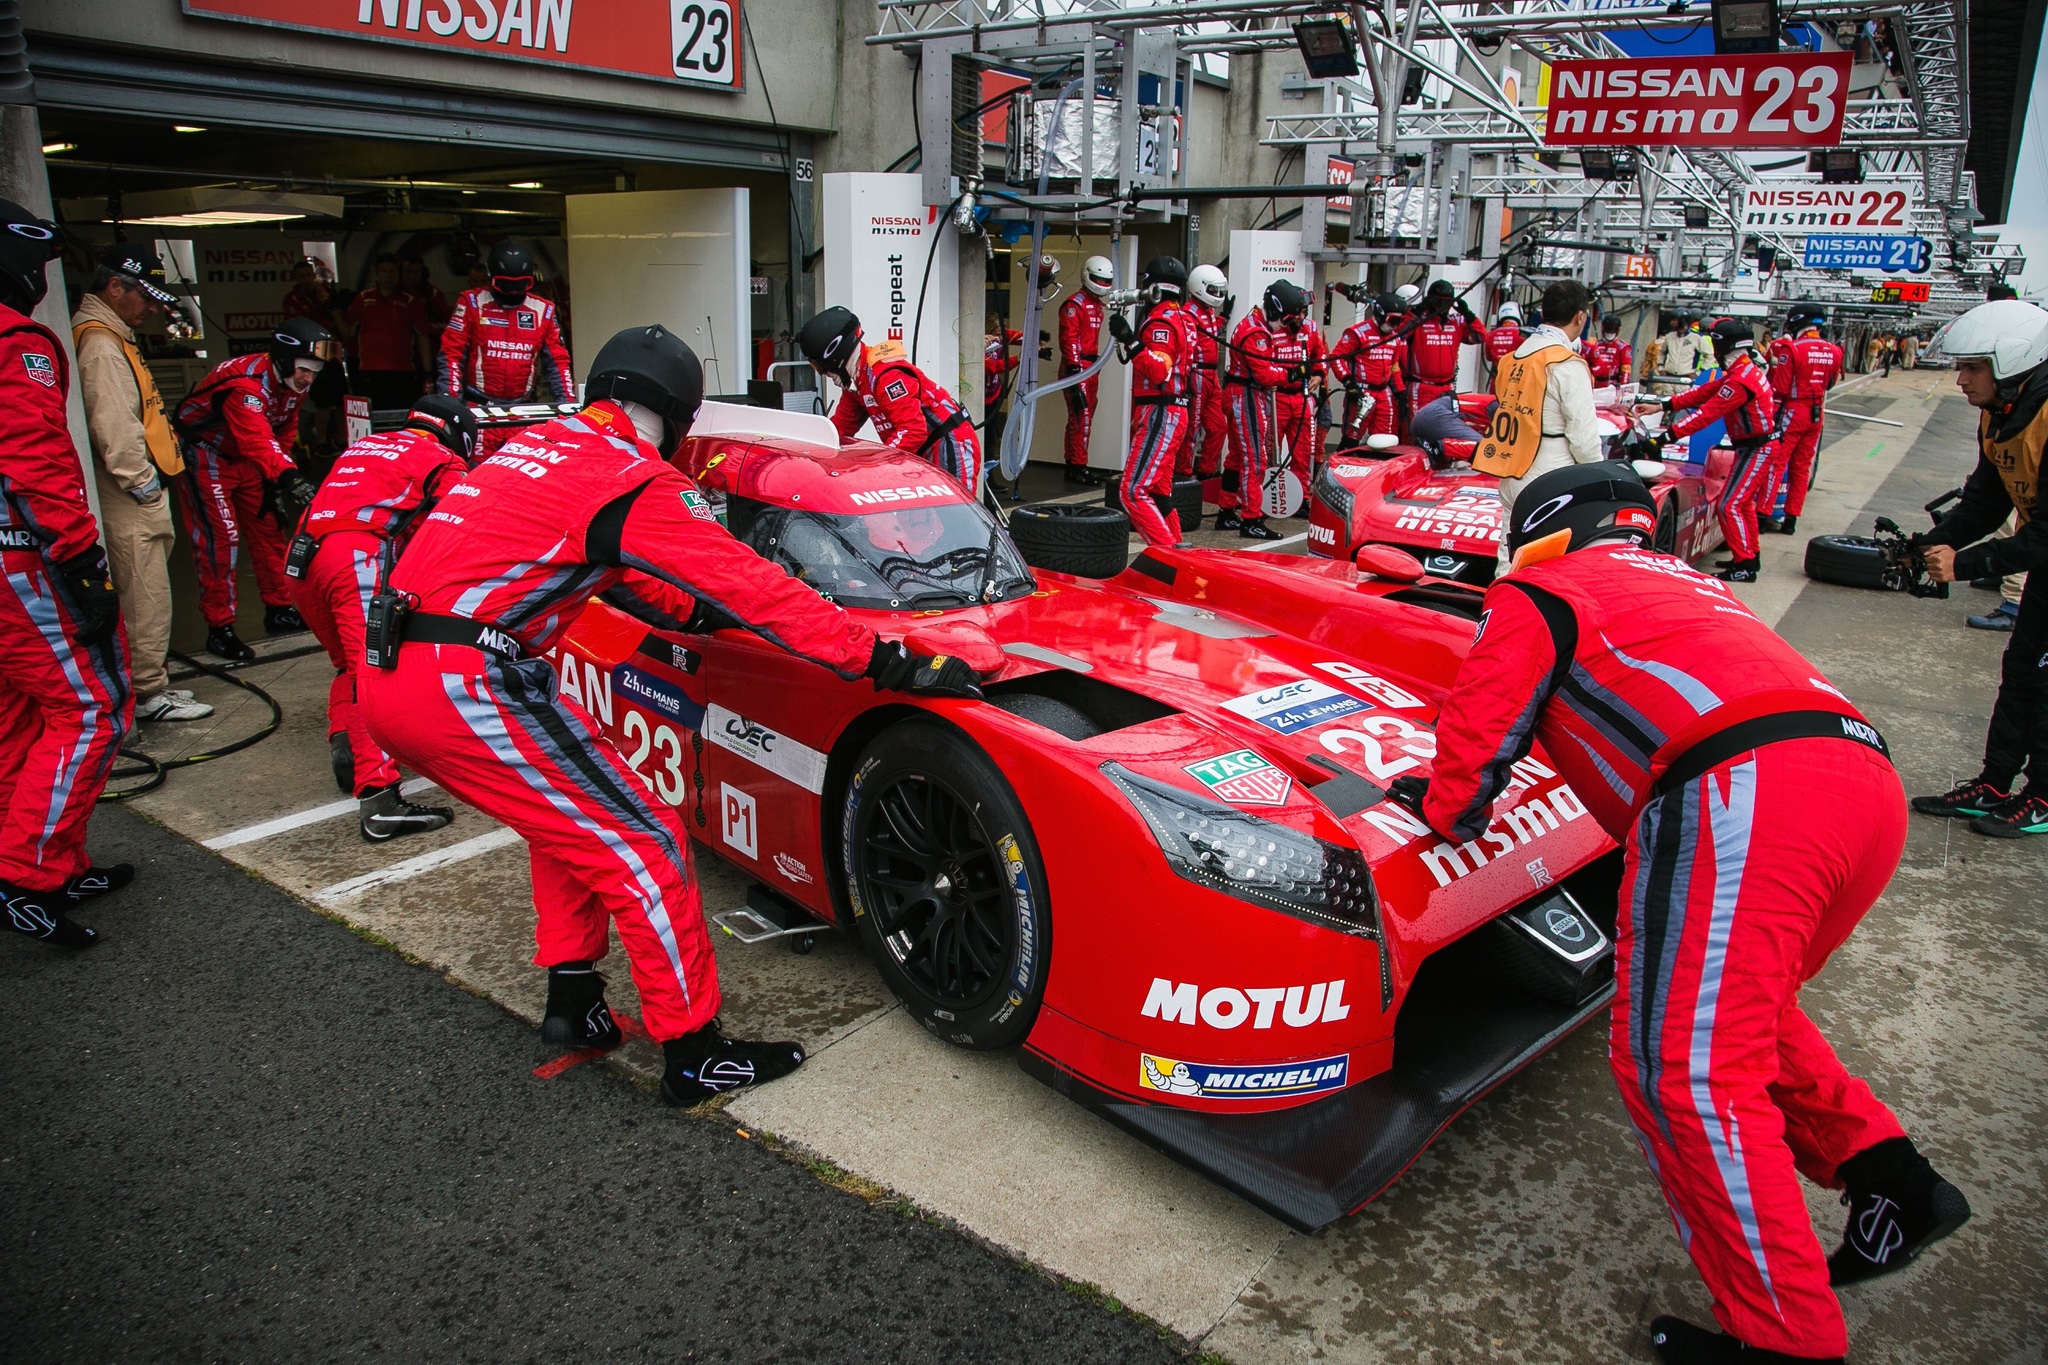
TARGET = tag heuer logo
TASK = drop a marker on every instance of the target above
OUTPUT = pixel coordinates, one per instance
(699, 508)
(41, 369)
(1243, 779)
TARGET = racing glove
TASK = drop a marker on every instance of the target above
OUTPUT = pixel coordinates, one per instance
(1409, 791)
(1120, 328)
(84, 581)
(894, 668)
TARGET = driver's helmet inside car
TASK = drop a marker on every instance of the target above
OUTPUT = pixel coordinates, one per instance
(905, 530)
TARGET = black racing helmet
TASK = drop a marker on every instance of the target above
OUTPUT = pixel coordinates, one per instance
(1285, 299)
(299, 339)
(27, 246)
(1392, 308)
(1814, 316)
(653, 367)
(1731, 335)
(447, 418)
(1610, 325)
(1570, 508)
(1168, 272)
(511, 273)
(829, 340)
(1441, 289)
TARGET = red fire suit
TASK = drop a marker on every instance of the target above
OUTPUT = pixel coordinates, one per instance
(1249, 378)
(996, 360)
(1352, 343)
(1741, 395)
(910, 412)
(1740, 877)
(1378, 372)
(1081, 320)
(1501, 343)
(570, 508)
(1433, 347)
(1803, 369)
(64, 705)
(1160, 375)
(374, 489)
(492, 353)
(1610, 359)
(239, 425)
(1202, 455)
(1301, 354)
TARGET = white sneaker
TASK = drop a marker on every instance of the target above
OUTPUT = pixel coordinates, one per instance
(169, 705)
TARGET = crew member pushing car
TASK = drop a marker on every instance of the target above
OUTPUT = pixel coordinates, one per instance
(64, 699)
(1804, 366)
(1759, 818)
(239, 425)
(357, 523)
(1081, 319)
(585, 506)
(1741, 395)
(1250, 375)
(1208, 309)
(1161, 353)
(910, 412)
(504, 343)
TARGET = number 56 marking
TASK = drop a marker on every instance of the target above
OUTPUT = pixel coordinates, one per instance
(704, 38)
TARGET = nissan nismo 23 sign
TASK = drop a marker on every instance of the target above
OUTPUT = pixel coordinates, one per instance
(1771, 100)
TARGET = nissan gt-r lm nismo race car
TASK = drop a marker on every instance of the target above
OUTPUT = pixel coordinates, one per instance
(1448, 515)
(1158, 858)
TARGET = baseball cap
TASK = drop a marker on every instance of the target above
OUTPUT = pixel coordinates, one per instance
(140, 265)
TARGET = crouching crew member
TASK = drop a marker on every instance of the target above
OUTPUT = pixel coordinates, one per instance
(1161, 353)
(239, 424)
(1208, 309)
(1081, 319)
(64, 699)
(1759, 819)
(348, 541)
(504, 343)
(1250, 375)
(910, 412)
(496, 574)
(1804, 366)
(2001, 355)
(1742, 396)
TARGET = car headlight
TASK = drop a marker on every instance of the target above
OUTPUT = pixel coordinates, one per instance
(1333, 494)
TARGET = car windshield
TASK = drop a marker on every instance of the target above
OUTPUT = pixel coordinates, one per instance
(929, 557)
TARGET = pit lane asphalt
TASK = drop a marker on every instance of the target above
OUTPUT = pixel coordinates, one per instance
(235, 1131)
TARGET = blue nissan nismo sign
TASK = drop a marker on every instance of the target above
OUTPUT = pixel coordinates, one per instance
(1850, 251)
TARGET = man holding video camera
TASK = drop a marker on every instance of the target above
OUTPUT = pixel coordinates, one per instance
(2001, 354)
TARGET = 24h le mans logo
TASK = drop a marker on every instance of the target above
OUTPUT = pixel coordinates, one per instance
(1243, 779)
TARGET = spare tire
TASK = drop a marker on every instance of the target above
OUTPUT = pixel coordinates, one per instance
(1851, 561)
(1077, 538)
(1187, 500)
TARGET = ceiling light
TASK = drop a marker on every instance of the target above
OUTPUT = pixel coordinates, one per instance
(52, 148)
(525, 185)
(186, 128)
(1745, 26)
(1327, 46)
(469, 191)
(212, 206)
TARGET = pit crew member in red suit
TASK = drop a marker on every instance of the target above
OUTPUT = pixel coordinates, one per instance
(1505, 335)
(239, 424)
(1741, 395)
(1804, 366)
(1299, 350)
(1081, 320)
(1760, 818)
(367, 504)
(504, 345)
(996, 360)
(1250, 375)
(1161, 353)
(65, 704)
(1446, 324)
(1377, 372)
(1208, 307)
(910, 412)
(1350, 344)
(1610, 358)
(582, 506)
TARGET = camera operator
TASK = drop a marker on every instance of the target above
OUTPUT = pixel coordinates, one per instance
(2001, 355)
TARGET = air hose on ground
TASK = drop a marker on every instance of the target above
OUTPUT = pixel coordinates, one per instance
(156, 771)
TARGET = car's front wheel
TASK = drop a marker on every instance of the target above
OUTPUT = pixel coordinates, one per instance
(944, 880)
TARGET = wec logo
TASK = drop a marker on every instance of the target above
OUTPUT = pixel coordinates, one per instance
(1226, 1007)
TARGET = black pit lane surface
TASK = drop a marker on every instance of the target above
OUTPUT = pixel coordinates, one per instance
(235, 1132)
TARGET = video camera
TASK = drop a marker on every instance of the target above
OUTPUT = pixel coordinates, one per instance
(1905, 569)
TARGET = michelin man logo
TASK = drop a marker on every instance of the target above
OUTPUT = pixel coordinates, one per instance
(1181, 1082)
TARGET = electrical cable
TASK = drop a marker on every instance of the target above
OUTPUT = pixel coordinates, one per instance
(938, 231)
(157, 771)
(795, 224)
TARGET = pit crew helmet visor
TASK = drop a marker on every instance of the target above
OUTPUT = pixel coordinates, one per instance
(298, 340)
(1207, 285)
(1098, 275)
(829, 341)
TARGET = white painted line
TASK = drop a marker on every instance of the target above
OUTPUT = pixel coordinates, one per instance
(1280, 544)
(284, 824)
(413, 867)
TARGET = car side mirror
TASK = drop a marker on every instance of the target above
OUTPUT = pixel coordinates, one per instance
(1388, 561)
(1648, 470)
(1385, 440)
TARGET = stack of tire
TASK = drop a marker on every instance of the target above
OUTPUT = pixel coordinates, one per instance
(1087, 540)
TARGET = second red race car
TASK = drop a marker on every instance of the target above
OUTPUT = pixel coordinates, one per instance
(1158, 858)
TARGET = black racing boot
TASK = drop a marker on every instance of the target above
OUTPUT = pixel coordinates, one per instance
(282, 621)
(1769, 526)
(385, 815)
(40, 914)
(1898, 1207)
(1255, 528)
(1788, 524)
(577, 1014)
(342, 759)
(707, 1063)
(98, 881)
(1678, 1342)
(1083, 477)
(1741, 571)
(223, 643)
(1965, 800)
(1227, 519)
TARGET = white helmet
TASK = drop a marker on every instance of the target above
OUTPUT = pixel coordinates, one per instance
(1098, 275)
(1048, 275)
(1206, 284)
(1409, 295)
(1510, 311)
(2010, 333)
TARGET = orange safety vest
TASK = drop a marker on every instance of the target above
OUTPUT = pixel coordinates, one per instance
(1509, 447)
(156, 427)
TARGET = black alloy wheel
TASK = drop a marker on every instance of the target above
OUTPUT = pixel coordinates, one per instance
(1665, 540)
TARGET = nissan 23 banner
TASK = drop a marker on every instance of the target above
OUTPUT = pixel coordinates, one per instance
(693, 41)
(1769, 100)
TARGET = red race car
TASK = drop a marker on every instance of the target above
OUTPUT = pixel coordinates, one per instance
(1446, 514)
(1158, 858)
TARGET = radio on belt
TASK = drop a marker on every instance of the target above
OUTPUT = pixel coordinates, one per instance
(384, 628)
(299, 554)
